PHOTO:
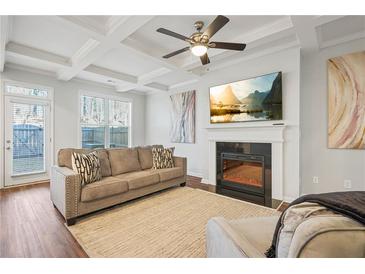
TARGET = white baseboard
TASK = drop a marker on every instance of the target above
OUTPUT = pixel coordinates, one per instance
(207, 182)
(288, 199)
(195, 174)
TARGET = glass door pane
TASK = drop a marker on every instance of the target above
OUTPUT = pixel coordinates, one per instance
(28, 123)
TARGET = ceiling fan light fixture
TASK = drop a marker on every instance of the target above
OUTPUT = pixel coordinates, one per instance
(199, 49)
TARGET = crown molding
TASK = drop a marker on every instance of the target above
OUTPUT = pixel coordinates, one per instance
(182, 84)
(22, 51)
(5, 28)
(30, 69)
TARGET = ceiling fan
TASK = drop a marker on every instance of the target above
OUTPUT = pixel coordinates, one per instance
(200, 41)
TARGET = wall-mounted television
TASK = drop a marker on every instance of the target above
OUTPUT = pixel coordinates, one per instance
(254, 99)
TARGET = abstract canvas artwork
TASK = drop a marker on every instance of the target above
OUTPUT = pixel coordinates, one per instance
(255, 99)
(346, 101)
(183, 117)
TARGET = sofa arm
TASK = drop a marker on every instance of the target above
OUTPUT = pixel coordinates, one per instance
(333, 236)
(65, 191)
(222, 241)
(181, 162)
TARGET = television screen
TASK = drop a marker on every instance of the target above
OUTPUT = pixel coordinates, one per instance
(255, 99)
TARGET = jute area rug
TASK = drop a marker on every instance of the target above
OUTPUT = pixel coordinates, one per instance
(163, 225)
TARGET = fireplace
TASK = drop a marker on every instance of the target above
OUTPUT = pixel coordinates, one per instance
(244, 171)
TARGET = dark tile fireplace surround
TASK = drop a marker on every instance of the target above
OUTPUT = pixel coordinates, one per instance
(244, 171)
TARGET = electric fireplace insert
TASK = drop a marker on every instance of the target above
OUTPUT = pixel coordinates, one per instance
(244, 171)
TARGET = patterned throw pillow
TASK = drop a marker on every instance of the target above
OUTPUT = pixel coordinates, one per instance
(162, 158)
(88, 166)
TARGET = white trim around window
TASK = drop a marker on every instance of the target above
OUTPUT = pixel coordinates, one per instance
(106, 98)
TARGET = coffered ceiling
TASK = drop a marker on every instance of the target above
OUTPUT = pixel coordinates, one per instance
(125, 51)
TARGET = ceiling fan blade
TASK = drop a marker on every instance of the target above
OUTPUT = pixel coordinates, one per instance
(176, 52)
(216, 25)
(230, 46)
(205, 59)
(173, 34)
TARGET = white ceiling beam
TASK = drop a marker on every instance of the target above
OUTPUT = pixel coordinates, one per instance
(124, 82)
(124, 87)
(30, 69)
(152, 87)
(344, 39)
(121, 29)
(149, 76)
(324, 19)
(166, 67)
(156, 86)
(72, 22)
(84, 23)
(22, 51)
(305, 29)
(182, 84)
(113, 75)
(4, 36)
(87, 26)
(85, 49)
(156, 60)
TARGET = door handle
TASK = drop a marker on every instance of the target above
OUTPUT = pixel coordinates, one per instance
(8, 148)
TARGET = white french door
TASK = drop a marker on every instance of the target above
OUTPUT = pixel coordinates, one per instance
(27, 140)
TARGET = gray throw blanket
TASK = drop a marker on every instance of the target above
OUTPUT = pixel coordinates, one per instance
(350, 204)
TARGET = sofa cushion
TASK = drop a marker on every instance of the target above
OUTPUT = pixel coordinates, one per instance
(328, 236)
(104, 162)
(162, 158)
(257, 230)
(145, 157)
(170, 173)
(88, 166)
(139, 179)
(65, 154)
(123, 160)
(106, 187)
(247, 237)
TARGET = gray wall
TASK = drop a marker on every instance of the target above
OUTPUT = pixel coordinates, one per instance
(332, 166)
(66, 102)
(158, 113)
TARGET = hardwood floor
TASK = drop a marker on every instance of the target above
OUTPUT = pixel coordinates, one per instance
(31, 227)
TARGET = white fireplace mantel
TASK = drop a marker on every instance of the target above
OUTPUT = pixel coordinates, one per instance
(251, 134)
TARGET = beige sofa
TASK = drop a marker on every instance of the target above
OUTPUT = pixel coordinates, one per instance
(127, 174)
(308, 230)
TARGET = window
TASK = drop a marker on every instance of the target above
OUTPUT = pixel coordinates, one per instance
(118, 123)
(34, 92)
(104, 122)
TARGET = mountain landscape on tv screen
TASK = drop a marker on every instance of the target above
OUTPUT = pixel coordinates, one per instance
(255, 99)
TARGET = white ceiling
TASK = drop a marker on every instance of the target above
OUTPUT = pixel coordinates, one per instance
(125, 51)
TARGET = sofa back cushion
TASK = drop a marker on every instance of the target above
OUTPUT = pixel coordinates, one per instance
(106, 170)
(145, 156)
(65, 155)
(123, 160)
